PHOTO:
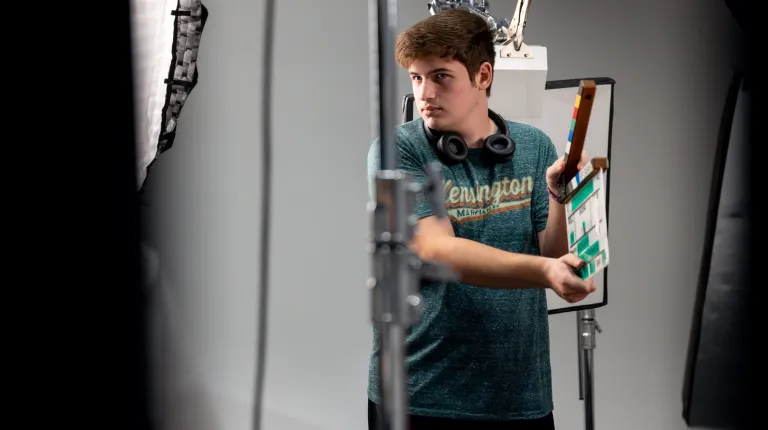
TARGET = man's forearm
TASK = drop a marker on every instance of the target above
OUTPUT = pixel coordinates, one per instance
(484, 266)
(555, 243)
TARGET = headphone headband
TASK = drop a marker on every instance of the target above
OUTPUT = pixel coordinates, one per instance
(500, 123)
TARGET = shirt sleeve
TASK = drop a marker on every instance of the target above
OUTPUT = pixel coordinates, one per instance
(408, 162)
(540, 194)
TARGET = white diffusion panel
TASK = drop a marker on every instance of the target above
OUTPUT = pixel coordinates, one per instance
(166, 37)
(555, 121)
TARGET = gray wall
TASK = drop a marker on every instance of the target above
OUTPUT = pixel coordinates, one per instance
(203, 197)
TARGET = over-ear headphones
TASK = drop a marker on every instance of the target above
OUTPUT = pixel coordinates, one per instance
(452, 149)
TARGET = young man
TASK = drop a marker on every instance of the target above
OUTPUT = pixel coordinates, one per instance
(479, 356)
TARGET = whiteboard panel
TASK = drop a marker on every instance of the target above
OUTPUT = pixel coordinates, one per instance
(556, 122)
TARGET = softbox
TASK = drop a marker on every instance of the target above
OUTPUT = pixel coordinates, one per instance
(715, 393)
(166, 40)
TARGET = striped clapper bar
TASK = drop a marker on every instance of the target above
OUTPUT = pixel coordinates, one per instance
(585, 211)
(577, 133)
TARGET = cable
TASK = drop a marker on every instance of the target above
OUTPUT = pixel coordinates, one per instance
(266, 130)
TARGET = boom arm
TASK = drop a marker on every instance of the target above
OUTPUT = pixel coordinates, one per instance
(519, 19)
(503, 30)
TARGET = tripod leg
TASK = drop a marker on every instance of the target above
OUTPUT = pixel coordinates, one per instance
(588, 326)
(589, 405)
(580, 347)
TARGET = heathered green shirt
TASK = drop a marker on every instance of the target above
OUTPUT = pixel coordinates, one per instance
(480, 353)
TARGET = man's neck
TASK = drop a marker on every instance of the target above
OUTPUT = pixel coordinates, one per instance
(477, 127)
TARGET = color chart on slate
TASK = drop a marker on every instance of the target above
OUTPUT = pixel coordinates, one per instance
(573, 122)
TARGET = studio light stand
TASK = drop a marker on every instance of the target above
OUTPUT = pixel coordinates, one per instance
(587, 324)
(397, 273)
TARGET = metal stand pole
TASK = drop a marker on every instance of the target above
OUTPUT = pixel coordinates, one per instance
(397, 273)
(396, 280)
(587, 325)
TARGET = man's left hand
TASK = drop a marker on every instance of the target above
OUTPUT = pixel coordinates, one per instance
(554, 171)
(580, 297)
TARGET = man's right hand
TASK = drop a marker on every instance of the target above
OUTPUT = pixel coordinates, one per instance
(429, 234)
(561, 278)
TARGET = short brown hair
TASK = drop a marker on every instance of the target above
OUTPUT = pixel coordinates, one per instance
(455, 34)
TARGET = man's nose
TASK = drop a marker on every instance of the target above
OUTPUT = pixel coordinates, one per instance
(427, 90)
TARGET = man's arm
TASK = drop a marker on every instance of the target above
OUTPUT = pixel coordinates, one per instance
(476, 263)
(484, 266)
(553, 240)
(549, 214)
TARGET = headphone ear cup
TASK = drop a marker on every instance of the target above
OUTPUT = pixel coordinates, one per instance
(452, 147)
(501, 146)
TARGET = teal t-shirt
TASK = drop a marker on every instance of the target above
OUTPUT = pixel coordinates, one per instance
(480, 353)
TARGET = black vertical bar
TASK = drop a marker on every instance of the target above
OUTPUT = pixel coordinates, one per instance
(128, 324)
(387, 82)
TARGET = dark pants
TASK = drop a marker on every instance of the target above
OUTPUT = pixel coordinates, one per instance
(429, 423)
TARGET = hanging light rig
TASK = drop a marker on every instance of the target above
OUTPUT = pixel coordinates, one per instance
(507, 33)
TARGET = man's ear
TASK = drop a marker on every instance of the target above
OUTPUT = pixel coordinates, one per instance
(484, 76)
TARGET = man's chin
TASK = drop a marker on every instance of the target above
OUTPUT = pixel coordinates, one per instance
(434, 122)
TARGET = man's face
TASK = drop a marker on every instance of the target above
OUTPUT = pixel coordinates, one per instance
(443, 92)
